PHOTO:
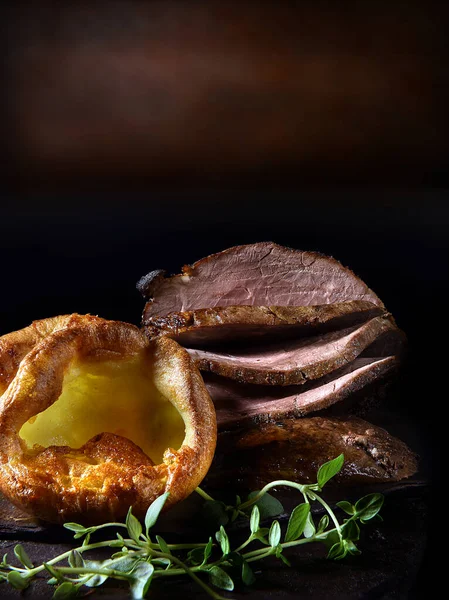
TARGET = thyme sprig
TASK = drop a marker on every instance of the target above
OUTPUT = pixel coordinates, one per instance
(139, 558)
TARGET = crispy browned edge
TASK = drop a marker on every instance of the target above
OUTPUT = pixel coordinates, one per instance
(15, 346)
(371, 452)
(207, 319)
(366, 335)
(116, 473)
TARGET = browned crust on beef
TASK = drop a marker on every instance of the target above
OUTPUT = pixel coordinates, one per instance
(223, 324)
(295, 361)
(294, 449)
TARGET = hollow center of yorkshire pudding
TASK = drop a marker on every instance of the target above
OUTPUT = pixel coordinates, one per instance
(114, 396)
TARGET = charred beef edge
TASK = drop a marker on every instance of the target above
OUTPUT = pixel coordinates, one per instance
(148, 284)
(181, 325)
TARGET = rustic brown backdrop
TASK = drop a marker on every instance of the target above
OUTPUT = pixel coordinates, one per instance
(227, 92)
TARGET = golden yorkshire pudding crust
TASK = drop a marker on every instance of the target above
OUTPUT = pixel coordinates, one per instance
(109, 473)
(15, 346)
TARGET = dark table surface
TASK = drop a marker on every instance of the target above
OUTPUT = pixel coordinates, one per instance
(390, 565)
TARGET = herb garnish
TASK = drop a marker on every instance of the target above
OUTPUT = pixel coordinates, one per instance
(140, 559)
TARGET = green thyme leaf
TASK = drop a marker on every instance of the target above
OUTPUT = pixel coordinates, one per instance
(377, 518)
(75, 559)
(96, 580)
(54, 572)
(208, 550)
(323, 524)
(161, 562)
(338, 551)
(367, 507)
(163, 545)
(119, 554)
(21, 554)
(351, 531)
(220, 579)
(141, 580)
(331, 538)
(347, 507)
(254, 519)
(274, 534)
(196, 556)
(124, 564)
(222, 538)
(261, 534)
(248, 576)
(352, 548)
(17, 580)
(309, 529)
(329, 470)
(268, 505)
(66, 591)
(297, 522)
(334, 550)
(121, 539)
(79, 530)
(154, 510)
(75, 527)
(133, 525)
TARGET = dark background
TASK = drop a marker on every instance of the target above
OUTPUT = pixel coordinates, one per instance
(148, 135)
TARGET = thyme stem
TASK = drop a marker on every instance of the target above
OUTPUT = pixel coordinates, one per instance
(203, 494)
(267, 488)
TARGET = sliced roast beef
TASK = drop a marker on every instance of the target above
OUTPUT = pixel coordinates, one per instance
(294, 361)
(240, 404)
(294, 449)
(278, 333)
(226, 324)
(262, 274)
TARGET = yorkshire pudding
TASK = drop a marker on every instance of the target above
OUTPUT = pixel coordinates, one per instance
(95, 418)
